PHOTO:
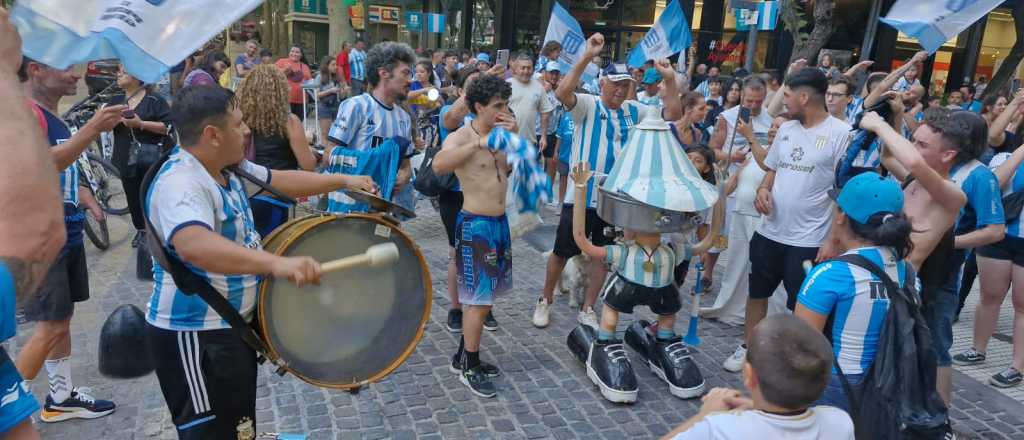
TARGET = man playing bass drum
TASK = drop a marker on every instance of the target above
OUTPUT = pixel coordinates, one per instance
(200, 212)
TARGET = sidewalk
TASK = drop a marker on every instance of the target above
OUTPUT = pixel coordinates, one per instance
(543, 393)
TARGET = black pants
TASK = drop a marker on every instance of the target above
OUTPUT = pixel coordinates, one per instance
(208, 379)
(967, 282)
(132, 185)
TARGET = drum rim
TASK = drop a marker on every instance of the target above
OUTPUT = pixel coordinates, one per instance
(318, 220)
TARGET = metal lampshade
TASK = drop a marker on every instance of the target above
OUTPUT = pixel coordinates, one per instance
(654, 170)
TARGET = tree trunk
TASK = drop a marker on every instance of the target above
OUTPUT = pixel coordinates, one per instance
(806, 45)
(274, 31)
(1001, 80)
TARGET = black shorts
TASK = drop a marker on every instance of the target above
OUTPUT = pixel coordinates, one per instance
(548, 152)
(208, 379)
(565, 246)
(1009, 248)
(449, 203)
(622, 295)
(66, 283)
(772, 262)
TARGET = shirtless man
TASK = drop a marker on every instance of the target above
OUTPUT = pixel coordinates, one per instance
(482, 240)
(940, 143)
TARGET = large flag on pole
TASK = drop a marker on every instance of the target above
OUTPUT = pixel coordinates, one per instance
(935, 22)
(563, 28)
(669, 35)
(149, 37)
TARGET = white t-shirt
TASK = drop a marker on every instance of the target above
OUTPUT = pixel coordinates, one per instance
(749, 179)
(528, 101)
(804, 160)
(760, 123)
(817, 423)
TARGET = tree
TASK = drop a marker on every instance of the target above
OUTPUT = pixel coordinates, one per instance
(806, 45)
(1008, 69)
(274, 30)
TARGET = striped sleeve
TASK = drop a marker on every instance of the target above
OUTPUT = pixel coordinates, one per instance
(616, 256)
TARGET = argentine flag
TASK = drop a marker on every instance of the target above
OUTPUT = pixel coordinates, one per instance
(670, 34)
(435, 23)
(563, 28)
(148, 36)
(935, 22)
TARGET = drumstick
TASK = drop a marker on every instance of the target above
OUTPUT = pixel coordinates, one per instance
(376, 255)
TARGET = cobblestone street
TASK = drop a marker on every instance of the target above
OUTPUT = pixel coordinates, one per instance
(542, 393)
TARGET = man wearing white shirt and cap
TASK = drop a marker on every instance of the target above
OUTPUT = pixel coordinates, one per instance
(602, 128)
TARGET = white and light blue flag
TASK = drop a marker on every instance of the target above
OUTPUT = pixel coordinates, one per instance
(563, 28)
(765, 16)
(435, 23)
(669, 35)
(148, 36)
(935, 22)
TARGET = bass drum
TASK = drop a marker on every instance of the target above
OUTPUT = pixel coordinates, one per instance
(358, 325)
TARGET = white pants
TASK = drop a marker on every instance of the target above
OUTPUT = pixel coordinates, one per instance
(731, 303)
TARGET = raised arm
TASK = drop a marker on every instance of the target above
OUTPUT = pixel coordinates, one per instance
(997, 131)
(1005, 171)
(852, 71)
(580, 175)
(890, 80)
(943, 191)
(775, 107)
(673, 109)
(566, 91)
(30, 240)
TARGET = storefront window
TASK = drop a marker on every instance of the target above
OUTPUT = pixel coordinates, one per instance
(640, 12)
(483, 27)
(1000, 34)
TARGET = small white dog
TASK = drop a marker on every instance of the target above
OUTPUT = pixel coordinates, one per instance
(574, 279)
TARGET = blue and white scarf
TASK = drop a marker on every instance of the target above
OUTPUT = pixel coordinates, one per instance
(528, 180)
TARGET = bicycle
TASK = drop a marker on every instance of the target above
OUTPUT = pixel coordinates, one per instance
(103, 178)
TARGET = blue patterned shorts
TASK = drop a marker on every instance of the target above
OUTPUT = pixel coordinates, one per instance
(483, 260)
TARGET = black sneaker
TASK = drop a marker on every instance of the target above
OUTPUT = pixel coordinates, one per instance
(639, 338)
(1010, 377)
(477, 381)
(139, 236)
(79, 406)
(454, 321)
(488, 369)
(609, 369)
(490, 323)
(969, 357)
(672, 361)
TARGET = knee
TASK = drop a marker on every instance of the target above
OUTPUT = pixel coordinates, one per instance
(53, 331)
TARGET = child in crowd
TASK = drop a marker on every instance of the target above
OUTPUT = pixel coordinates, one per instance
(786, 369)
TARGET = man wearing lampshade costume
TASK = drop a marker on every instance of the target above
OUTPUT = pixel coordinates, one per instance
(602, 127)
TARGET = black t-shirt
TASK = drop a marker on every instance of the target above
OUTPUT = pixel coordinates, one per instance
(1013, 140)
(152, 108)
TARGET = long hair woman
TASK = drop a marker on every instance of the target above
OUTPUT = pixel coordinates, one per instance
(688, 129)
(868, 221)
(278, 138)
(332, 89)
(210, 68)
(151, 116)
(297, 72)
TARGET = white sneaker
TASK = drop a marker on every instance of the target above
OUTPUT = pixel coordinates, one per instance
(542, 314)
(735, 362)
(588, 317)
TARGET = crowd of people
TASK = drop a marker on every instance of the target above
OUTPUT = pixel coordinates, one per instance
(826, 174)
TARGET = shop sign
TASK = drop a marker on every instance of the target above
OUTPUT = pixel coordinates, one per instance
(310, 6)
(384, 14)
(413, 21)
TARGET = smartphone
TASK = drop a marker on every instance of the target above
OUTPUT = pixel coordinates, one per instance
(502, 58)
(745, 114)
(128, 114)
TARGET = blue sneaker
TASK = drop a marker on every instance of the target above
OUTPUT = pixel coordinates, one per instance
(80, 405)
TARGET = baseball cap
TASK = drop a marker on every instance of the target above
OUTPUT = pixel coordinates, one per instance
(552, 66)
(867, 194)
(651, 76)
(616, 72)
(483, 57)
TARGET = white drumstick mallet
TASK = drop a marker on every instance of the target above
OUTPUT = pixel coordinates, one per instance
(375, 256)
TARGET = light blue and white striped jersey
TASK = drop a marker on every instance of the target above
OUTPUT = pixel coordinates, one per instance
(628, 262)
(357, 64)
(600, 135)
(854, 108)
(184, 194)
(363, 122)
(1015, 228)
(859, 300)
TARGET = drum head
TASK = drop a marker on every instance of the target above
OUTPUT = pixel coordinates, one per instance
(359, 324)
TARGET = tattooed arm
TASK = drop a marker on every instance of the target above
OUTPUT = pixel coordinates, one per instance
(32, 226)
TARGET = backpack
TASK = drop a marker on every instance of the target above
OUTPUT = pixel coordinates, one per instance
(897, 398)
(427, 182)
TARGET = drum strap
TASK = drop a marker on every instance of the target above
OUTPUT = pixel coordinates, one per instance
(190, 283)
(263, 185)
